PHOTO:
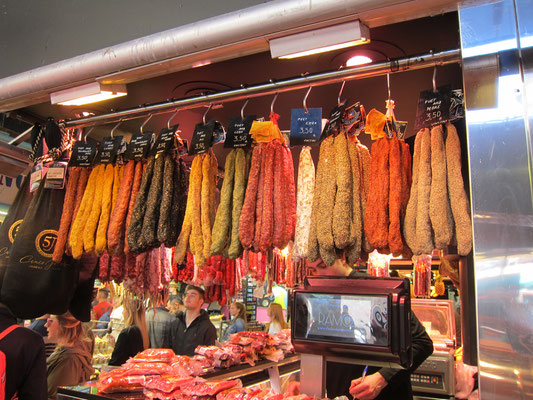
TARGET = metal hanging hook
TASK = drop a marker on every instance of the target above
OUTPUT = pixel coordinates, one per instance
(388, 85)
(272, 104)
(435, 79)
(339, 102)
(172, 117)
(145, 122)
(115, 127)
(305, 99)
(88, 132)
(206, 111)
(243, 107)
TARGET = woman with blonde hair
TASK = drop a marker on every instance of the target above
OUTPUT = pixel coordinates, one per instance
(277, 321)
(70, 363)
(238, 323)
(134, 337)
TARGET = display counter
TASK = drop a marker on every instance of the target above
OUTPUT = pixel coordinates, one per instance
(262, 371)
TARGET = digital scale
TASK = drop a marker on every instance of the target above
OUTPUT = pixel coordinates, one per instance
(351, 320)
(436, 375)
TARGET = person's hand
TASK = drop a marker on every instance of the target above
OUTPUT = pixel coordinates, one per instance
(369, 389)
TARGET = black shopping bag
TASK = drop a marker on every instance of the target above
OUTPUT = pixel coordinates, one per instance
(12, 222)
(33, 285)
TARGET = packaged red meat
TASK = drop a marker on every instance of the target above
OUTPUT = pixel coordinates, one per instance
(154, 355)
(167, 383)
(110, 383)
(209, 388)
(232, 394)
(144, 368)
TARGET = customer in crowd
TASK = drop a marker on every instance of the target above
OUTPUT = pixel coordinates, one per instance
(38, 325)
(70, 363)
(175, 305)
(379, 383)
(116, 322)
(158, 320)
(238, 320)
(277, 321)
(24, 359)
(103, 305)
(134, 337)
(192, 328)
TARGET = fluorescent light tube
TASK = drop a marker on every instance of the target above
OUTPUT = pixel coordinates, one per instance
(87, 94)
(320, 40)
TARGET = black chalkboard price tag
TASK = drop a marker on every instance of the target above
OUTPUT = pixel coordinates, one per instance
(433, 108)
(82, 154)
(201, 138)
(109, 150)
(139, 146)
(332, 127)
(238, 135)
(306, 126)
(164, 141)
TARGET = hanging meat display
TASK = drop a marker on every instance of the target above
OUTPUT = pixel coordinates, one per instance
(337, 204)
(437, 213)
(200, 212)
(386, 205)
(268, 217)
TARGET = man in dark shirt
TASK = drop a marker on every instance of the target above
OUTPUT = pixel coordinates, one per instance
(158, 321)
(379, 383)
(25, 360)
(192, 328)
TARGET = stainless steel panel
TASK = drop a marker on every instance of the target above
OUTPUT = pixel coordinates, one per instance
(500, 160)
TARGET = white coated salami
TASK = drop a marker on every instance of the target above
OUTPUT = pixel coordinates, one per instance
(304, 202)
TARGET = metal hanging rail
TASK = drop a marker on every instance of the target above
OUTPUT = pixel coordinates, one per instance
(366, 71)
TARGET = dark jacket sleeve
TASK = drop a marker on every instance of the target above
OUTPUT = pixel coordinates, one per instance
(34, 386)
(122, 350)
(210, 335)
(422, 346)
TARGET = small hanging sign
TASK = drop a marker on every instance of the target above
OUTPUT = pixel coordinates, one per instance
(433, 107)
(83, 154)
(164, 141)
(306, 126)
(36, 176)
(239, 132)
(139, 146)
(55, 176)
(334, 123)
(109, 150)
(202, 138)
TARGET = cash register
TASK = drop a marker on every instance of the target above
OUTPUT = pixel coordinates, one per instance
(435, 378)
(363, 320)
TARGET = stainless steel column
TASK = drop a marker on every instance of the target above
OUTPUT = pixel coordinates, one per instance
(497, 63)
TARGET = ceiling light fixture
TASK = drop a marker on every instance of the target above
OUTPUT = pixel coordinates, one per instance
(320, 40)
(87, 94)
(358, 60)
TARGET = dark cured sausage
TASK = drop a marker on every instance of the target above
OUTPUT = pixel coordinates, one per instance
(167, 194)
(148, 236)
(137, 177)
(139, 209)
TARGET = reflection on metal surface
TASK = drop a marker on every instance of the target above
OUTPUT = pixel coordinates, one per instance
(500, 157)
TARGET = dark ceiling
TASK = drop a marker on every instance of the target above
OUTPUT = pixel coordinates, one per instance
(387, 42)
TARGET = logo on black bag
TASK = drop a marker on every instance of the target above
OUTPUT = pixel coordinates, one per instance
(13, 230)
(45, 242)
